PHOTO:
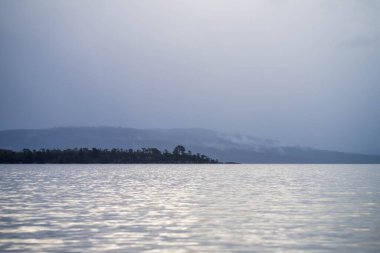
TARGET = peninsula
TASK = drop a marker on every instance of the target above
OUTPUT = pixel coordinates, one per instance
(102, 156)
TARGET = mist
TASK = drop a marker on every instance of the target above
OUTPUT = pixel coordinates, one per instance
(302, 72)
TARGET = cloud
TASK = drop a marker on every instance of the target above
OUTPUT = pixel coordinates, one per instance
(372, 42)
(267, 68)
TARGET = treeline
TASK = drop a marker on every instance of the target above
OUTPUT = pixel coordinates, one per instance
(94, 155)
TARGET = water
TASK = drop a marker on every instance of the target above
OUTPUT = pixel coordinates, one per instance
(190, 208)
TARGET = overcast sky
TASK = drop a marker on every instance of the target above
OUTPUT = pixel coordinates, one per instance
(302, 72)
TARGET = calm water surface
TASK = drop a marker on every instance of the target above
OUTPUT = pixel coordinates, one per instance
(190, 208)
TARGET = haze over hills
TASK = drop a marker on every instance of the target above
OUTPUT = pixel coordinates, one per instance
(223, 146)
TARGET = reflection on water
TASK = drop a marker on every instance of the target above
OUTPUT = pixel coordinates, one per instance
(190, 208)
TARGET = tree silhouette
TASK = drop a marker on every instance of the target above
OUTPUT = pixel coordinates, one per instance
(179, 150)
(94, 155)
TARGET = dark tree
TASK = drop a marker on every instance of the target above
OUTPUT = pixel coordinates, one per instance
(179, 150)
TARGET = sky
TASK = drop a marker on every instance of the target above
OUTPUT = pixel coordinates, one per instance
(303, 72)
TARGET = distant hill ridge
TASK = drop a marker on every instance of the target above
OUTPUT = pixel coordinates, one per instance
(222, 146)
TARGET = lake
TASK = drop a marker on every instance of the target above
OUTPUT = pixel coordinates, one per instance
(190, 208)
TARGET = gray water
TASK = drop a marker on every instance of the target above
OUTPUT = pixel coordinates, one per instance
(190, 208)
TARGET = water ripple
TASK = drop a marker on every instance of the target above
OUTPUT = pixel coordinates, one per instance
(190, 208)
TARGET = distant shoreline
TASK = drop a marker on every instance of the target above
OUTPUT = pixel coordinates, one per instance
(104, 156)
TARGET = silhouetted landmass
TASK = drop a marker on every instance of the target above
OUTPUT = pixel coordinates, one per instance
(221, 146)
(94, 155)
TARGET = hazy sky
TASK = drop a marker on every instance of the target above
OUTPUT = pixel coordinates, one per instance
(302, 72)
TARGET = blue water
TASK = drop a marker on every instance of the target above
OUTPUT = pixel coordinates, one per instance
(190, 208)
